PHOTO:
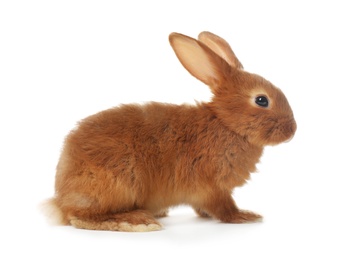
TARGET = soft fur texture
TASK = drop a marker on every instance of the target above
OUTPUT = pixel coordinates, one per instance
(122, 168)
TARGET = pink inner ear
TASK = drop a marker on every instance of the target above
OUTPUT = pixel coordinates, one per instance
(199, 61)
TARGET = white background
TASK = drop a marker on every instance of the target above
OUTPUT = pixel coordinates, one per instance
(61, 61)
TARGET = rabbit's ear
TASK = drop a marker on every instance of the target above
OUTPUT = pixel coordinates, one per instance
(220, 47)
(199, 60)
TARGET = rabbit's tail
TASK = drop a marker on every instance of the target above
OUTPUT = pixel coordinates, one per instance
(53, 212)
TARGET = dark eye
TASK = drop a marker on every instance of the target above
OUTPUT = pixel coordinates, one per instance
(261, 101)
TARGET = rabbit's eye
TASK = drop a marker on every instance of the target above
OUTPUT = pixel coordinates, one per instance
(261, 101)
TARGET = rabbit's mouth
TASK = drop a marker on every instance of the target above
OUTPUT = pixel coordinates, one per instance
(282, 132)
(291, 129)
(288, 140)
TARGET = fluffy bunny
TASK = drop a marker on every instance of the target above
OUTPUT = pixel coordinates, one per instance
(122, 168)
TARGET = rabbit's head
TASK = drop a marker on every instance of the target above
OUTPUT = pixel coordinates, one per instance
(246, 103)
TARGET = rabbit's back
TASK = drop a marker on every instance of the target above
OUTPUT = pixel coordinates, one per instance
(151, 133)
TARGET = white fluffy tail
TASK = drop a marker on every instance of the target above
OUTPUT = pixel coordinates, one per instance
(52, 212)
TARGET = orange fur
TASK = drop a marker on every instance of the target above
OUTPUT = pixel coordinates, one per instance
(125, 166)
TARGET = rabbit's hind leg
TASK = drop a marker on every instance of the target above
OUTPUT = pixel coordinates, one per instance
(131, 221)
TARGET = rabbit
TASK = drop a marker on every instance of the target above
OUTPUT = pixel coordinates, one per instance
(123, 168)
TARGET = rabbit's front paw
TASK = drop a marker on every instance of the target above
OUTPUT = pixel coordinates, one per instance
(243, 216)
